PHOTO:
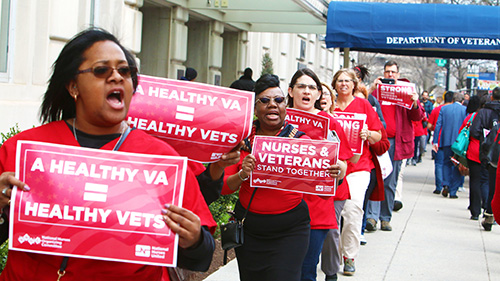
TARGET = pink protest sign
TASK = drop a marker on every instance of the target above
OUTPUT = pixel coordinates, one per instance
(200, 121)
(315, 126)
(95, 204)
(293, 164)
(398, 94)
(352, 123)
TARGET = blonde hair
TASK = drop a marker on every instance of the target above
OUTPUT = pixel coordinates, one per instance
(332, 95)
(350, 73)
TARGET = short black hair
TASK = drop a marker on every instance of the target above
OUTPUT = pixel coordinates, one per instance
(299, 73)
(191, 73)
(248, 72)
(57, 102)
(265, 82)
(448, 97)
(496, 93)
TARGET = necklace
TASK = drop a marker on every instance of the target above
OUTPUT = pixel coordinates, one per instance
(119, 140)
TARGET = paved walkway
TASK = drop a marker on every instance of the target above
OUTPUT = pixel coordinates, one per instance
(432, 239)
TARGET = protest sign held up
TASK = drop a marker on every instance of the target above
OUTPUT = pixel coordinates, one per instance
(292, 164)
(95, 204)
(352, 124)
(315, 125)
(201, 121)
(398, 94)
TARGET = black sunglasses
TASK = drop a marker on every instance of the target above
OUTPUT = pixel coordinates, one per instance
(104, 71)
(277, 100)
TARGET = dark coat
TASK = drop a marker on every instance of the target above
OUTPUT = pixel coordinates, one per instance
(244, 83)
(484, 119)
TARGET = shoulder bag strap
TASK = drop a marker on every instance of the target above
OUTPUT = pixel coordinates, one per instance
(248, 207)
(64, 263)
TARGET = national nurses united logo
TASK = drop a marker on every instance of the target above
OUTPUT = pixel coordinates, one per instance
(142, 250)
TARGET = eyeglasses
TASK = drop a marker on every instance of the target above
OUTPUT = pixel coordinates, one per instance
(304, 86)
(390, 71)
(340, 81)
(277, 100)
(104, 71)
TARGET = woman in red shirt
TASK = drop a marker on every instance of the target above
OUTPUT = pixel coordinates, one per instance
(85, 104)
(276, 227)
(305, 94)
(358, 175)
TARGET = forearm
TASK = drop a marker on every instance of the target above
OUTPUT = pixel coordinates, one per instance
(216, 171)
(374, 136)
(234, 181)
(210, 188)
(199, 256)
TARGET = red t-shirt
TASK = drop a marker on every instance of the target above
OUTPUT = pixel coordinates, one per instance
(322, 209)
(495, 203)
(359, 105)
(342, 192)
(265, 201)
(389, 113)
(418, 128)
(32, 266)
(473, 149)
(434, 118)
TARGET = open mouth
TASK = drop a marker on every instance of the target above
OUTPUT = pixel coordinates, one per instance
(115, 99)
(272, 115)
(306, 99)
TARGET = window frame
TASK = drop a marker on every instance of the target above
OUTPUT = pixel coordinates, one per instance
(5, 75)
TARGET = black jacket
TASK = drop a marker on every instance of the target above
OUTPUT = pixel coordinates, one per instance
(244, 83)
(484, 119)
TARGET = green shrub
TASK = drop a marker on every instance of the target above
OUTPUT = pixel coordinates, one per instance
(220, 207)
(267, 64)
(12, 131)
(4, 248)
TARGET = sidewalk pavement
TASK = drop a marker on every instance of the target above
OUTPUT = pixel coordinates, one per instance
(432, 239)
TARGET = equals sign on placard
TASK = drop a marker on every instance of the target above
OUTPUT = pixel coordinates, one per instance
(185, 113)
(95, 192)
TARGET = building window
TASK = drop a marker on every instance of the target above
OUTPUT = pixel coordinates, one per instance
(302, 52)
(4, 34)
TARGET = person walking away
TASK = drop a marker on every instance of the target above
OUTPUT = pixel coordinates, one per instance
(245, 82)
(478, 175)
(447, 126)
(484, 121)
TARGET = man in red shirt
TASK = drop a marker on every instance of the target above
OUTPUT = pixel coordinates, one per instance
(400, 135)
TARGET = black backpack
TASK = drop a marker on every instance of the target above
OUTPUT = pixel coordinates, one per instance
(489, 148)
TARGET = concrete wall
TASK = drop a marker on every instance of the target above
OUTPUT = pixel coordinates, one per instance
(166, 38)
(39, 29)
(285, 51)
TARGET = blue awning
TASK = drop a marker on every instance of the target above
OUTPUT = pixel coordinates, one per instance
(434, 30)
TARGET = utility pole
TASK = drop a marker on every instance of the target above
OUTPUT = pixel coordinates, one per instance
(447, 74)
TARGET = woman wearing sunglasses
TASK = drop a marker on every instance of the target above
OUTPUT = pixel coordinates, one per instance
(358, 175)
(85, 104)
(277, 224)
(305, 94)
